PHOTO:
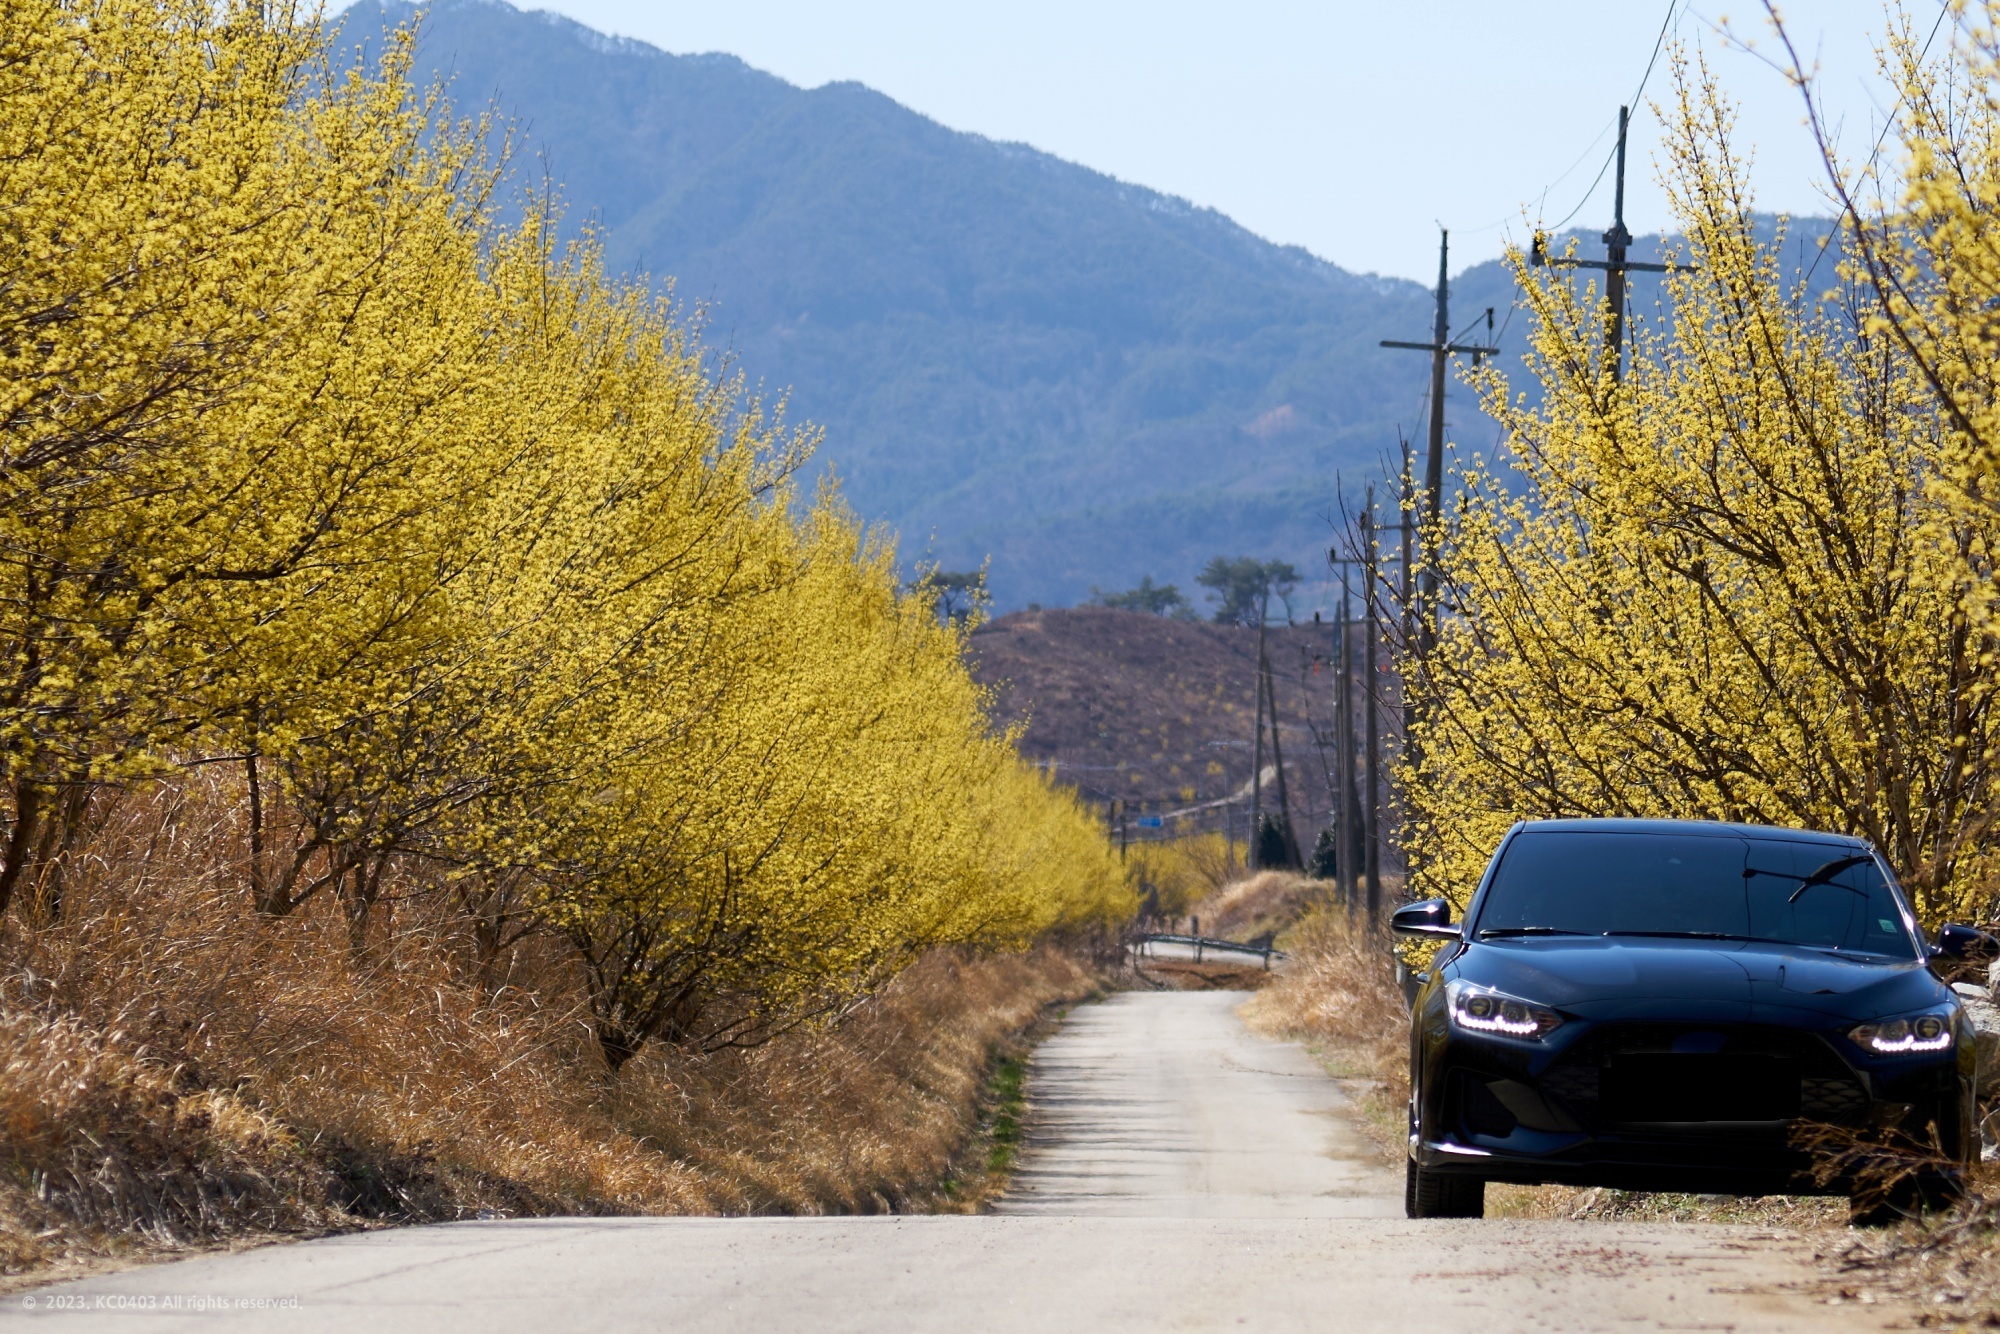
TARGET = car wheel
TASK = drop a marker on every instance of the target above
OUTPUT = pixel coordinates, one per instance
(1436, 1195)
(1909, 1198)
(1875, 1209)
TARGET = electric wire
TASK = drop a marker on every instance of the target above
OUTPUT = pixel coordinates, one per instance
(1674, 8)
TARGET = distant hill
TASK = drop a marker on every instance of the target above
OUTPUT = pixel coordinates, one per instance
(1159, 713)
(1014, 358)
(1086, 379)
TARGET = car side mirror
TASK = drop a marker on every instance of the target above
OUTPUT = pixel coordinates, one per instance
(1965, 942)
(1430, 918)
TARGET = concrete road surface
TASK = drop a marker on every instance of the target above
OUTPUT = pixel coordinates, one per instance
(1162, 1105)
(1182, 1174)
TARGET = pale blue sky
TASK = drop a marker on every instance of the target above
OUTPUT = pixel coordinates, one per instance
(1348, 128)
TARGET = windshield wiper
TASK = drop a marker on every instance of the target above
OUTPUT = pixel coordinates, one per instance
(1825, 874)
(1822, 876)
(1528, 931)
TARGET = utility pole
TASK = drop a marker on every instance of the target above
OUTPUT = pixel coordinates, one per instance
(1373, 806)
(1347, 801)
(1441, 349)
(1343, 829)
(1289, 834)
(1420, 617)
(1343, 851)
(1310, 660)
(1253, 854)
(1405, 574)
(1617, 242)
(1228, 826)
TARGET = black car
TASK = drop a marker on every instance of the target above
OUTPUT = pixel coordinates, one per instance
(1658, 1005)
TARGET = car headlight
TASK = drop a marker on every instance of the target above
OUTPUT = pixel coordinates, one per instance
(1906, 1033)
(1482, 1010)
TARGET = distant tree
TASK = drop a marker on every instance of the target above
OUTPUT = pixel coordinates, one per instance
(1325, 864)
(1154, 599)
(958, 593)
(1242, 587)
(1274, 845)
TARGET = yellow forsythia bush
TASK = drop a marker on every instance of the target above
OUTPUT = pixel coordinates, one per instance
(1729, 585)
(460, 551)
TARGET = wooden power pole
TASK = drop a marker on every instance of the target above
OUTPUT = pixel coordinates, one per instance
(1252, 853)
(1373, 806)
(1424, 614)
(1350, 801)
(1615, 264)
(1441, 349)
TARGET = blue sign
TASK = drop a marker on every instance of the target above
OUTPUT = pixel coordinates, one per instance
(1151, 822)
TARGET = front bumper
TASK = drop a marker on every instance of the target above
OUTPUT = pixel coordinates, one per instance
(1539, 1114)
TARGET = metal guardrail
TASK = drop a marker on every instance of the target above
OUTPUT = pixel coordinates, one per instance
(1204, 944)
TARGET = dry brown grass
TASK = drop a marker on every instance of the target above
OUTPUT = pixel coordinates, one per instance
(1261, 907)
(1949, 1267)
(176, 1072)
(1208, 975)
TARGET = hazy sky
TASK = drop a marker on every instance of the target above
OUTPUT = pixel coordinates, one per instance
(1351, 129)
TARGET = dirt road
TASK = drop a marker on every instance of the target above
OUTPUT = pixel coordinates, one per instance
(1181, 1173)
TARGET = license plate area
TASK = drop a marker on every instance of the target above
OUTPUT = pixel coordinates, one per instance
(1663, 1088)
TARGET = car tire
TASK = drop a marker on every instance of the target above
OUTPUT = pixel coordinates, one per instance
(1437, 1195)
(1873, 1209)
(1905, 1200)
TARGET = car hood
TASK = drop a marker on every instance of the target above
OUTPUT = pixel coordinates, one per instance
(1704, 980)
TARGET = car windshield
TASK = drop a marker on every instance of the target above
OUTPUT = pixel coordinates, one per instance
(1627, 883)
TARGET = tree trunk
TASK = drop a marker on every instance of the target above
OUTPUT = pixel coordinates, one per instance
(260, 893)
(50, 861)
(28, 796)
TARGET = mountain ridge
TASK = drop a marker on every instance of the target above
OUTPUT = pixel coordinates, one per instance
(1014, 358)
(1005, 350)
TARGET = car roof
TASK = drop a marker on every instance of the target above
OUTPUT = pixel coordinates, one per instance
(1695, 828)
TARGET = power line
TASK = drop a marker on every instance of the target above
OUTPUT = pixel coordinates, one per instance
(1587, 194)
(1659, 43)
(1674, 7)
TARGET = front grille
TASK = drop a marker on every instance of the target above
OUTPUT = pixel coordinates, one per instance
(1574, 1084)
(1656, 1087)
(1636, 1074)
(1840, 1102)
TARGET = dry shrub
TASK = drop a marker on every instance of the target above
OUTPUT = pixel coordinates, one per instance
(178, 1071)
(1262, 907)
(1950, 1265)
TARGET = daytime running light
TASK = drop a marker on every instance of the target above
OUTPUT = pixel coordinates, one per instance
(1926, 1032)
(1482, 1011)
